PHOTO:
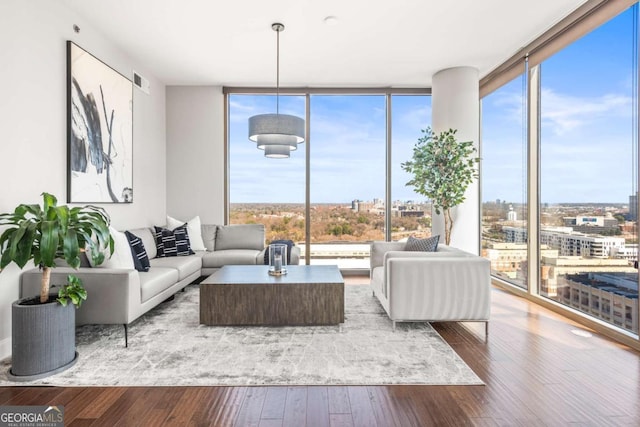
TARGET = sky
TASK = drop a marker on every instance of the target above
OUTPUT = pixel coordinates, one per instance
(587, 136)
(347, 146)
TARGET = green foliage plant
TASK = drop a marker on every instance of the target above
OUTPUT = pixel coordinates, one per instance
(50, 232)
(73, 291)
(442, 169)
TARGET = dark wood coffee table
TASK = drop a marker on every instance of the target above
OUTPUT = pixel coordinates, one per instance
(248, 295)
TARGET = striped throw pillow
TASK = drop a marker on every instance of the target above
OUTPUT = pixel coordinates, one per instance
(140, 257)
(172, 242)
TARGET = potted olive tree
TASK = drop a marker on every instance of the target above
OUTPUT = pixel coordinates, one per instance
(442, 169)
(43, 327)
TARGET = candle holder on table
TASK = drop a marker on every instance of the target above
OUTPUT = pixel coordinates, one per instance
(277, 259)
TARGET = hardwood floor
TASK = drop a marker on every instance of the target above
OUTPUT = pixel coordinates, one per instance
(537, 373)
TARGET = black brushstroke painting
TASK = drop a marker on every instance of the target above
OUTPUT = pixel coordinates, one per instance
(99, 106)
(86, 134)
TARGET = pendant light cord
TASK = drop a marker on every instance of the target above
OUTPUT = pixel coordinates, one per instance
(277, 72)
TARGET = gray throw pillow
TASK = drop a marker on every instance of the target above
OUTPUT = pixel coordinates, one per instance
(240, 236)
(422, 245)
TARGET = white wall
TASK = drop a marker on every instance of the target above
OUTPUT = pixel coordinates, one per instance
(455, 104)
(195, 153)
(33, 144)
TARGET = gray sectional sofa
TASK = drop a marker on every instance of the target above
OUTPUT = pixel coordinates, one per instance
(120, 296)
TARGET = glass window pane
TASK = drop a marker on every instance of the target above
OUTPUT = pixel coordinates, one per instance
(588, 174)
(504, 206)
(410, 211)
(265, 190)
(347, 176)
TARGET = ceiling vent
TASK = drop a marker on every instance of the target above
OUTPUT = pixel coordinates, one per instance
(141, 83)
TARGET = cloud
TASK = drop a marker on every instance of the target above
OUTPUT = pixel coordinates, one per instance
(238, 106)
(412, 120)
(586, 144)
(509, 104)
(347, 149)
(562, 113)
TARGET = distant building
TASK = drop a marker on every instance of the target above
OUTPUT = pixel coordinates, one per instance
(628, 227)
(592, 224)
(579, 244)
(407, 210)
(368, 207)
(365, 206)
(629, 252)
(568, 242)
(411, 213)
(514, 234)
(507, 258)
(512, 215)
(554, 267)
(612, 297)
(403, 212)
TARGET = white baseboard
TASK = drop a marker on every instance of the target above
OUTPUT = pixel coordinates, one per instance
(5, 348)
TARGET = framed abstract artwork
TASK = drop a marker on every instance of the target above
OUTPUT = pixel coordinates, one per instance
(99, 131)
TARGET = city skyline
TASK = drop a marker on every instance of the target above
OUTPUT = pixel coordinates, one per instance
(426, 201)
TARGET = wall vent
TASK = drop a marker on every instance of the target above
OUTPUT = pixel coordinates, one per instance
(141, 83)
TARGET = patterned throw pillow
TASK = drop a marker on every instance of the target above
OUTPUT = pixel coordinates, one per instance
(173, 242)
(424, 245)
(140, 257)
(194, 229)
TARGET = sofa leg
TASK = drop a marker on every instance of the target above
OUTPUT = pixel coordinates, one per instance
(394, 325)
(126, 335)
(486, 330)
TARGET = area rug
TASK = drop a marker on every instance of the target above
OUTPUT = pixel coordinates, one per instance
(168, 346)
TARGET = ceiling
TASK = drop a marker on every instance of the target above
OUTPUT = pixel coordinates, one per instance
(376, 43)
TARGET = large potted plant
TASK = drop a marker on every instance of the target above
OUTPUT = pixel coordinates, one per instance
(43, 327)
(442, 169)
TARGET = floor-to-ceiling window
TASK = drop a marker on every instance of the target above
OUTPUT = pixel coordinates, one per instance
(265, 190)
(588, 173)
(348, 181)
(504, 180)
(410, 212)
(559, 171)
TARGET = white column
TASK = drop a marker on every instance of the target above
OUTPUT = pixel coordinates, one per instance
(456, 105)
